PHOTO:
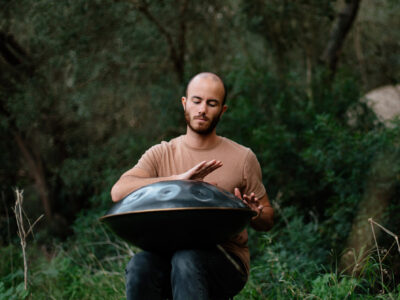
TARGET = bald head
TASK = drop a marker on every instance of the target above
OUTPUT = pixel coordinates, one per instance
(209, 77)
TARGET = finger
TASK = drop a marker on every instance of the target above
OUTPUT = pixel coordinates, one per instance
(255, 201)
(247, 198)
(197, 167)
(247, 203)
(211, 169)
(254, 205)
(213, 164)
(207, 169)
(197, 170)
(252, 198)
(237, 193)
(204, 165)
(193, 172)
(200, 165)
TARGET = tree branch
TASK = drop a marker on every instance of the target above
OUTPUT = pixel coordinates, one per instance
(182, 38)
(14, 55)
(176, 55)
(339, 32)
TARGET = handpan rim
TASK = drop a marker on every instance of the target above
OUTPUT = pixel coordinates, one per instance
(178, 209)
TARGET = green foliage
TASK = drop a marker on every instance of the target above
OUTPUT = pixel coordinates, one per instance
(328, 286)
(66, 278)
(13, 293)
(98, 83)
(312, 155)
(287, 264)
(291, 263)
(83, 268)
(316, 163)
(286, 259)
(11, 274)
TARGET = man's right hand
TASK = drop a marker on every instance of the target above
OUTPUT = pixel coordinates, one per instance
(136, 178)
(201, 170)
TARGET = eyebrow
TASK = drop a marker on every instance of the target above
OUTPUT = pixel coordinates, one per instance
(196, 97)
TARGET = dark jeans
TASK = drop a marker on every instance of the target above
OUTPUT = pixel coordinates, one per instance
(186, 275)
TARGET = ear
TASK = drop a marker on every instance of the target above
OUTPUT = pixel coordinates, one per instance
(224, 108)
(183, 100)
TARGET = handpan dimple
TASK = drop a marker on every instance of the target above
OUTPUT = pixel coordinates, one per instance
(201, 194)
(170, 215)
(168, 192)
(135, 197)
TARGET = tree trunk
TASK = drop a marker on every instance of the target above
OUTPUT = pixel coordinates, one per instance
(338, 34)
(35, 168)
(376, 199)
(17, 60)
(176, 48)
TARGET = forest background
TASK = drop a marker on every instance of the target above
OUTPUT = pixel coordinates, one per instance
(87, 86)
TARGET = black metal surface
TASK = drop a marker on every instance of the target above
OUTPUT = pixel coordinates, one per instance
(170, 215)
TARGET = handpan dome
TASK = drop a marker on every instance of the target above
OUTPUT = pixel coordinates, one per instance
(175, 214)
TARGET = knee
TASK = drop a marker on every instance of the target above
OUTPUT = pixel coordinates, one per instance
(139, 267)
(186, 262)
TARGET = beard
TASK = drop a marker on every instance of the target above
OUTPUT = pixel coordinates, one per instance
(204, 131)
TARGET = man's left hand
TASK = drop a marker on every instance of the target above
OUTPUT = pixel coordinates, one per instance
(251, 201)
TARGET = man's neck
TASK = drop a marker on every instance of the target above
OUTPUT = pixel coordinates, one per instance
(200, 141)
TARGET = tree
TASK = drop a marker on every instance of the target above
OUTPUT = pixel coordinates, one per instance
(339, 31)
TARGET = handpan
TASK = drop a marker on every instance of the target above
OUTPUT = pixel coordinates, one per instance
(176, 214)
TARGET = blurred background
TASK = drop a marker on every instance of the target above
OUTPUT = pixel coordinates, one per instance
(87, 86)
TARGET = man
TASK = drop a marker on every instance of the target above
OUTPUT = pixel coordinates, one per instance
(200, 154)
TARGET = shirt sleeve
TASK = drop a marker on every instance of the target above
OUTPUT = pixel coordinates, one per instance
(150, 160)
(252, 176)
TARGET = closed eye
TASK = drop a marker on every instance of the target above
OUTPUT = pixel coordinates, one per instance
(196, 100)
(212, 103)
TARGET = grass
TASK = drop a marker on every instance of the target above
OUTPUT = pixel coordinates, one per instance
(290, 262)
(74, 273)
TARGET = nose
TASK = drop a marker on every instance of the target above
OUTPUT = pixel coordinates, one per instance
(202, 108)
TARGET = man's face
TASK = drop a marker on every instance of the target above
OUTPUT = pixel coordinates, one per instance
(203, 105)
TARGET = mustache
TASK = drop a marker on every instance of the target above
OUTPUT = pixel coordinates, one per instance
(202, 116)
